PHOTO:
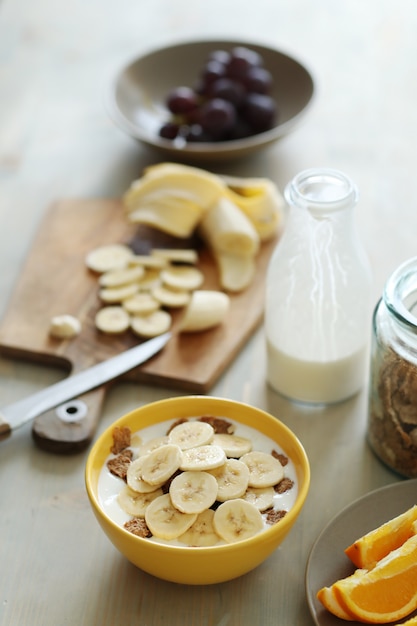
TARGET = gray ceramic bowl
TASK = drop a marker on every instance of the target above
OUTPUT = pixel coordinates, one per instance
(137, 97)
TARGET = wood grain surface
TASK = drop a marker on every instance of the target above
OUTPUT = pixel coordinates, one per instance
(55, 281)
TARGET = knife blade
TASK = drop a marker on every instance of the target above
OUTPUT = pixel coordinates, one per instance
(18, 413)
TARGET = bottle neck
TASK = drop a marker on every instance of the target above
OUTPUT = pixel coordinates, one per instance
(322, 192)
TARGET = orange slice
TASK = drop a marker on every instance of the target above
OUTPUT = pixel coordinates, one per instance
(328, 599)
(386, 593)
(375, 545)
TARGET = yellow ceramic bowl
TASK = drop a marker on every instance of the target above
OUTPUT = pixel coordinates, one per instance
(191, 565)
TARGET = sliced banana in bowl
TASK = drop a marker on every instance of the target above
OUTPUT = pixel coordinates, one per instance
(175, 538)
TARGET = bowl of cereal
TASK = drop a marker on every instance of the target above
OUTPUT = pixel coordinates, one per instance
(197, 489)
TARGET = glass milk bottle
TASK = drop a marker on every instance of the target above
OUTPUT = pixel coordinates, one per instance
(318, 290)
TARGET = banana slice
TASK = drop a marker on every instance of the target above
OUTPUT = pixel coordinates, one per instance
(151, 325)
(233, 445)
(236, 271)
(172, 197)
(174, 255)
(191, 434)
(64, 327)
(236, 520)
(232, 479)
(260, 200)
(118, 278)
(109, 257)
(227, 229)
(205, 310)
(202, 458)
(134, 477)
(152, 444)
(112, 319)
(262, 497)
(173, 298)
(148, 261)
(165, 521)
(182, 277)
(161, 464)
(150, 279)
(264, 469)
(134, 503)
(141, 303)
(193, 492)
(112, 295)
(202, 532)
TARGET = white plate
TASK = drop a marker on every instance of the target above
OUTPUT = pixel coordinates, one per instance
(327, 561)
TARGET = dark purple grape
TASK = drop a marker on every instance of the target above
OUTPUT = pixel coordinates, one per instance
(217, 117)
(241, 59)
(228, 89)
(258, 80)
(222, 56)
(182, 100)
(212, 71)
(260, 112)
(169, 130)
(240, 130)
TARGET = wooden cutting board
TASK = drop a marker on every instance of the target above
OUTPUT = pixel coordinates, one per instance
(55, 280)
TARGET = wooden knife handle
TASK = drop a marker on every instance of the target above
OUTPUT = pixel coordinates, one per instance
(69, 428)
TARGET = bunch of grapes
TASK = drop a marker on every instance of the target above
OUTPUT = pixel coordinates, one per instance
(232, 100)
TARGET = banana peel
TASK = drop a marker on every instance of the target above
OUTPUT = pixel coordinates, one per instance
(234, 215)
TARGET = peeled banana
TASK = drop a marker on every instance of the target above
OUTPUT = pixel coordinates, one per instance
(233, 215)
(227, 229)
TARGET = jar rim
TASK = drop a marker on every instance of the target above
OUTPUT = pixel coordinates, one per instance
(321, 189)
(400, 285)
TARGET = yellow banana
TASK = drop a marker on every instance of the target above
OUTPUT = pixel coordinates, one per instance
(260, 200)
(172, 197)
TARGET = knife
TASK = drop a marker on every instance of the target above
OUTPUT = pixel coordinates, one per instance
(18, 413)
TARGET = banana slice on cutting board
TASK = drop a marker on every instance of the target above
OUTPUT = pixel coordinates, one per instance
(134, 503)
(182, 277)
(232, 479)
(175, 255)
(202, 532)
(264, 469)
(152, 324)
(109, 257)
(112, 319)
(172, 197)
(172, 298)
(206, 309)
(236, 520)
(193, 492)
(165, 521)
(64, 326)
(141, 303)
(118, 278)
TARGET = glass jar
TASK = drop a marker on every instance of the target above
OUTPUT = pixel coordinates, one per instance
(318, 289)
(392, 420)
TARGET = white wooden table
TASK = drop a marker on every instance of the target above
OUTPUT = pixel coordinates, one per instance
(56, 141)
